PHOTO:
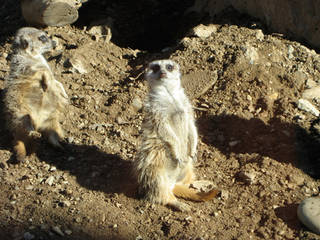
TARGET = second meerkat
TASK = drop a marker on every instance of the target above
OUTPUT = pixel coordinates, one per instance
(164, 163)
(34, 100)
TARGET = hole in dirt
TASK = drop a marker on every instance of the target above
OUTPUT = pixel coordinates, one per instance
(149, 25)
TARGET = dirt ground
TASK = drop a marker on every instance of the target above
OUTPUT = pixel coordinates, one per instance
(255, 145)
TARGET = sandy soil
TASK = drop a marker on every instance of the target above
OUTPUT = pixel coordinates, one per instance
(255, 145)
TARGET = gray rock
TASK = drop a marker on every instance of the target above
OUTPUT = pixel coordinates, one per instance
(57, 230)
(312, 93)
(28, 236)
(198, 83)
(309, 213)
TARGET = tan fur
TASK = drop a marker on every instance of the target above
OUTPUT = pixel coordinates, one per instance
(164, 163)
(34, 100)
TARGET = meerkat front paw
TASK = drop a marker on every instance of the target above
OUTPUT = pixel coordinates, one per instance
(34, 135)
(194, 158)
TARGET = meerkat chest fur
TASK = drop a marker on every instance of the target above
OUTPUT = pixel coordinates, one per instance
(170, 104)
(168, 110)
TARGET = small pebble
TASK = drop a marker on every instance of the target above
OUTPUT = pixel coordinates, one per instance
(50, 180)
(309, 213)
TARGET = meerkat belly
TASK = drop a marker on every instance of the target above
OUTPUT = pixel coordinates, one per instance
(179, 120)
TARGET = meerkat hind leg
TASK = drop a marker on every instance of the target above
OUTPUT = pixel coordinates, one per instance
(20, 150)
(54, 139)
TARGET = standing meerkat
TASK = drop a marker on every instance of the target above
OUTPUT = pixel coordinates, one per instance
(164, 164)
(34, 99)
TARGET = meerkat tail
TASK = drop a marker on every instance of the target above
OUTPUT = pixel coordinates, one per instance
(183, 191)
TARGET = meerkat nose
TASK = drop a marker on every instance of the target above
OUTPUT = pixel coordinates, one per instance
(163, 74)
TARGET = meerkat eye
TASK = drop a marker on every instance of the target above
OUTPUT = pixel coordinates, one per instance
(43, 38)
(169, 67)
(155, 68)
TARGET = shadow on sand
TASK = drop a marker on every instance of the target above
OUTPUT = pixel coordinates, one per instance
(284, 142)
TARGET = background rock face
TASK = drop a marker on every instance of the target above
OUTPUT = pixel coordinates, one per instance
(299, 19)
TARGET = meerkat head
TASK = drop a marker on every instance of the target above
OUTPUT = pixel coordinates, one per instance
(163, 72)
(32, 41)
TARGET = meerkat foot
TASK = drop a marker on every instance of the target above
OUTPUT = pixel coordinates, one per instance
(20, 151)
(179, 206)
(54, 140)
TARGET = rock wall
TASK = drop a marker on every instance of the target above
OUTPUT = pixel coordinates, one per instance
(298, 19)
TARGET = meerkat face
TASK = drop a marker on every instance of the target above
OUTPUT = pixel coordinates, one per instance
(163, 71)
(33, 41)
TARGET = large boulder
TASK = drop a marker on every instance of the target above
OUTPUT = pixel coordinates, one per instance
(299, 19)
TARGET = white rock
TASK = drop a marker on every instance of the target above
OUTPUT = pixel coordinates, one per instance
(290, 52)
(203, 31)
(137, 104)
(259, 35)
(312, 93)
(310, 83)
(309, 213)
(77, 66)
(50, 180)
(307, 106)
(251, 54)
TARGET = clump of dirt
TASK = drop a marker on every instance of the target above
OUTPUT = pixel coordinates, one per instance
(255, 144)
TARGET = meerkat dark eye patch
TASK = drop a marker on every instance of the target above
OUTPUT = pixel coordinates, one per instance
(43, 38)
(155, 68)
(169, 67)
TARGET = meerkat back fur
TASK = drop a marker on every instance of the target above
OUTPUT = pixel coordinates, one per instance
(34, 100)
(164, 163)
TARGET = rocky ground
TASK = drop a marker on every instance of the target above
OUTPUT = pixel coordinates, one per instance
(258, 143)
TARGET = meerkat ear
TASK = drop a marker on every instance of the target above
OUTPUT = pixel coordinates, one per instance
(44, 82)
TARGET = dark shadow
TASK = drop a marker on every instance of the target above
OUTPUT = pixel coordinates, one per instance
(284, 142)
(17, 230)
(142, 24)
(5, 138)
(289, 215)
(93, 168)
(11, 19)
